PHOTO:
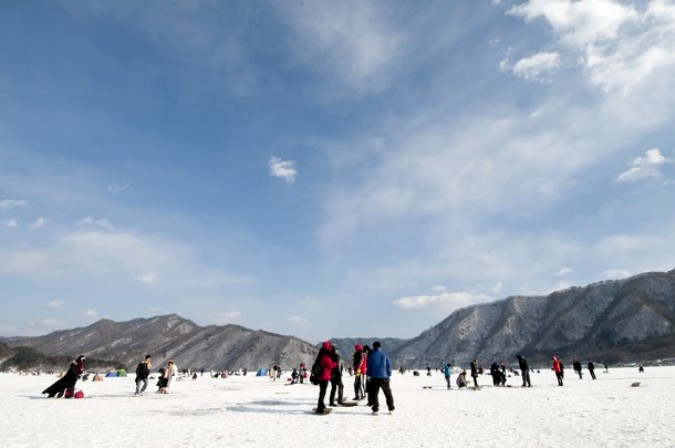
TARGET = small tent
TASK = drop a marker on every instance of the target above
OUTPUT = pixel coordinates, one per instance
(111, 374)
(261, 372)
(121, 372)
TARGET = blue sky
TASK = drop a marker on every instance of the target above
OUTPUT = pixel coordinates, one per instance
(327, 169)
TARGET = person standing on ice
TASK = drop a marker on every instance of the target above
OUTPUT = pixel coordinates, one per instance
(168, 377)
(446, 373)
(326, 366)
(379, 371)
(576, 365)
(336, 378)
(591, 368)
(357, 362)
(558, 369)
(524, 371)
(474, 372)
(142, 374)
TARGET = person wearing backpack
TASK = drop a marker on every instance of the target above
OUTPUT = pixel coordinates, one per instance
(325, 364)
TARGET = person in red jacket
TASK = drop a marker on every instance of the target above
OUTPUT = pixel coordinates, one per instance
(325, 360)
(557, 368)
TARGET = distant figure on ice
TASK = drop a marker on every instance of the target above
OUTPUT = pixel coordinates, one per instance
(358, 362)
(447, 371)
(142, 374)
(168, 377)
(524, 371)
(379, 371)
(66, 384)
(365, 374)
(336, 378)
(461, 379)
(558, 369)
(576, 365)
(325, 363)
(302, 372)
(474, 372)
(591, 368)
(496, 374)
(294, 376)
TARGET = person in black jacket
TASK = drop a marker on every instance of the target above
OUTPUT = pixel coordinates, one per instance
(474, 372)
(66, 384)
(336, 378)
(524, 371)
(142, 374)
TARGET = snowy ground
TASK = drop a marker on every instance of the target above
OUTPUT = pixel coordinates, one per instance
(255, 411)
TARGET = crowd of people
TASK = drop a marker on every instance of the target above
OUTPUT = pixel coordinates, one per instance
(370, 367)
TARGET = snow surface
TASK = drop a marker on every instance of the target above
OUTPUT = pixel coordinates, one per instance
(256, 411)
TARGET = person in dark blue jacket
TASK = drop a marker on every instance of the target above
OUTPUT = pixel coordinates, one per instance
(379, 371)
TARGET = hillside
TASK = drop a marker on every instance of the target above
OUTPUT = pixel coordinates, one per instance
(165, 337)
(624, 320)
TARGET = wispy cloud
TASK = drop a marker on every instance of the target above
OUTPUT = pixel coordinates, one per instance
(539, 67)
(283, 169)
(114, 189)
(644, 167)
(90, 313)
(616, 274)
(10, 223)
(149, 278)
(6, 204)
(226, 317)
(619, 45)
(92, 222)
(445, 300)
(37, 224)
(563, 272)
(297, 320)
(56, 304)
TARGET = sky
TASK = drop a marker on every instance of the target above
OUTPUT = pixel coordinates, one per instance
(327, 169)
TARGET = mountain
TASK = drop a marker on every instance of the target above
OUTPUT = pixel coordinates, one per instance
(345, 346)
(612, 321)
(173, 337)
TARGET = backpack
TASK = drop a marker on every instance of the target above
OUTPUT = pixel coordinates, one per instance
(315, 373)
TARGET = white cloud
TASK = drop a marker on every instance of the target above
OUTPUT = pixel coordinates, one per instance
(7, 204)
(644, 167)
(536, 68)
(10, 223)
(37, 224)
(91, 222)
(43, 326)
(90, 313)
(7, 330)
(350, 42)
(497, 287)
(150, 277)
(297, 320)
(56, 304)
(445, 300)
(561, 286)
(114, 189)
(225, 317)
(563, 272)
(284, 169)
(616, 274)
(618, 45)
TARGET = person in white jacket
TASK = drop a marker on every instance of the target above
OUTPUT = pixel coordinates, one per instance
(168, 377)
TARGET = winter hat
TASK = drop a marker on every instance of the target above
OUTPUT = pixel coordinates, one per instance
(377, 344)
(358, 347)
(327, 346)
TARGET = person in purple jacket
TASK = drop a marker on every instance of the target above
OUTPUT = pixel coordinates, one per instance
(379, 372)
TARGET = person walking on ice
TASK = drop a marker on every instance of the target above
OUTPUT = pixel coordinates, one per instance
(142, 374)
(379, 370)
